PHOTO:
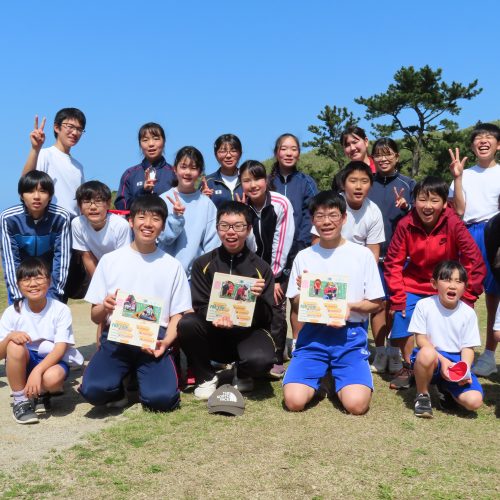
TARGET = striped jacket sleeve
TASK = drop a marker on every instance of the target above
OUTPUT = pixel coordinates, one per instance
(283, 232)
(10, 253)
(62, 250)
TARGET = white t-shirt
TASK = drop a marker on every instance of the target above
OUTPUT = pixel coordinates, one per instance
(448, 330)
(481, 188)
(67, 174)
(115, 234)
(353, 261)
(155, 274)
(230, 180)
(52, 323)
(364, 226)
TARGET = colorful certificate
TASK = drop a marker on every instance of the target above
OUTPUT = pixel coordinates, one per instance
(231, 297)
(323, 299)
(135, 320)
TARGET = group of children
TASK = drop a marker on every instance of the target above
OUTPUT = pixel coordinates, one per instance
(414, 269)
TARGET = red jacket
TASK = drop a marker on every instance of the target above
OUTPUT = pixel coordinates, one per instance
(449, 240)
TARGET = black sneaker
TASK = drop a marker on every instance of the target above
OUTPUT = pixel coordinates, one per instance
(423, 407)
(403, 379)
(23, 413)
(42, 404)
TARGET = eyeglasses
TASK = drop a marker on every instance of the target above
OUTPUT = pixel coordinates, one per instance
(239, 227)
(72, 128)
(98, 203)
(387, 157)
(225, 152)
(334, 217)
(39, 280)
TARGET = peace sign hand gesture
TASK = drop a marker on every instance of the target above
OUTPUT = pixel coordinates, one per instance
(204, 187)
(456, 166)
(177, 205)
(37, 136)
(241, 199)
(401, 202)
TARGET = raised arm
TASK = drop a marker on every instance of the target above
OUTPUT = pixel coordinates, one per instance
(37, 138)
(457, 170)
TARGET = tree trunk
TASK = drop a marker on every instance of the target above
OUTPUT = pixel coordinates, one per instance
(415, 160)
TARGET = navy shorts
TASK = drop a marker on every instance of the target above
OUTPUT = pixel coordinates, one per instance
(400, 324)
(321, 348)
(477, 232)
(452, 387)
(35, 359)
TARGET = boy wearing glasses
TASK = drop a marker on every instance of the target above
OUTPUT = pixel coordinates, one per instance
(97, 232)
(252, 348)
(66, 172)
(339, 349)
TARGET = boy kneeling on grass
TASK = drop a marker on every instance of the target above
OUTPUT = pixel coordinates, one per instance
(340, 349)
(446, 332)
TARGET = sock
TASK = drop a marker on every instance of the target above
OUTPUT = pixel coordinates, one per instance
(294, 342)
(380, 349)
(19, 396)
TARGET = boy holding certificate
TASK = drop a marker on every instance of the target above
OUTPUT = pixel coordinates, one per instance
(142, 269)
(341, 349)
(252, 348)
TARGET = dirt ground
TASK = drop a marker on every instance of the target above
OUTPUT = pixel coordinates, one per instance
(71, 418)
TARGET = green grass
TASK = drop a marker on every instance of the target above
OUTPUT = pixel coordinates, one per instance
(271, 453)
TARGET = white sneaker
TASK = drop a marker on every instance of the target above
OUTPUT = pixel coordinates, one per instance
(485, 366)
(243, 384)
(206, 389)
(379, 364)
(395, 362)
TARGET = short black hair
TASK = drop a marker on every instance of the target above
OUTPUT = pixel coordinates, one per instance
(31, 267)
(151, 128)
(355, 166)
(485, 128)
(27, 183)
(431, 184)
(230, 139)
(92, 189)
(71, 114)
(445, 268)
(151, 203)
(234, 207)
(329, 199)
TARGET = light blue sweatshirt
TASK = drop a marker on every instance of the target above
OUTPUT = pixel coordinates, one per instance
(188, 236)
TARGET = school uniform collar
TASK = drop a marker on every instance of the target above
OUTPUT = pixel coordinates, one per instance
(160, 163)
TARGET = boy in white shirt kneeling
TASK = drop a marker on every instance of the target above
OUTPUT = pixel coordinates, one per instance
(343, 350)
(446, 332)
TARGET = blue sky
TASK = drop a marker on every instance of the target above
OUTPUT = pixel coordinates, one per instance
(256, 69)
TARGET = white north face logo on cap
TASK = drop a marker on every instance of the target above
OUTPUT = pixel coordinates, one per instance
(227, 396)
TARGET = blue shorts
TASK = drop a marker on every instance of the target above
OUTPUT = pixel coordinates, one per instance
(452, 387)
(320, 348)
(400, 324)
(477, 232)
(35, 360)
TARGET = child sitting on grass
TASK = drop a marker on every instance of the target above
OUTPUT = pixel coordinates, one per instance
(35, 336)
(446, 332)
